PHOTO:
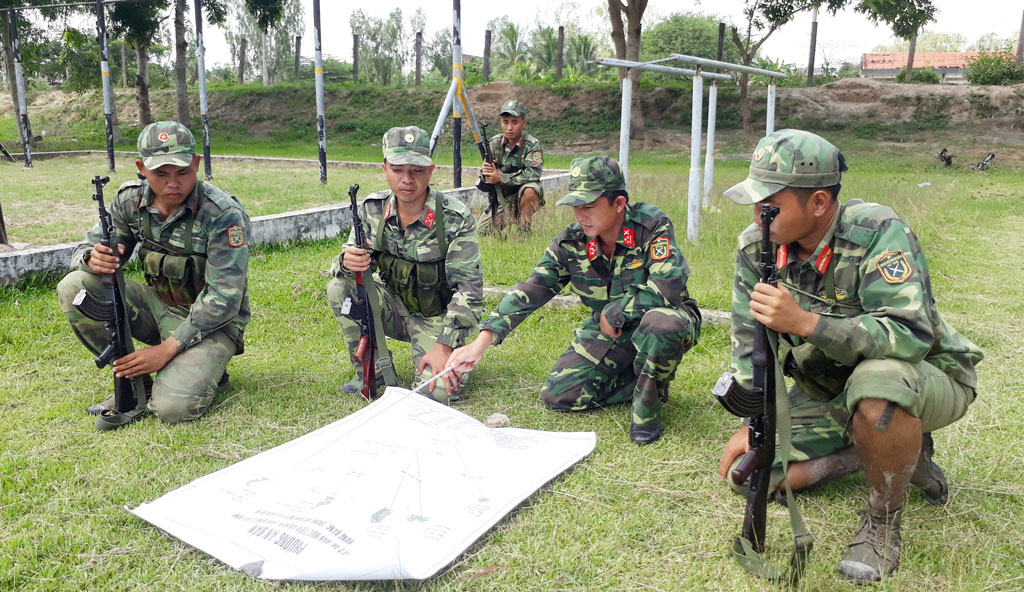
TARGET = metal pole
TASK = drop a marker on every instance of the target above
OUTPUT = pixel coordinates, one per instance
(445, 109)
(101, 30)
(706, 63)
(487, 55)
(203, 105)
(1020, 41)
(693, 195)
(19, 82)
(709, 155)
(612, 62)
(627, 105)
(457, 77)
(721, 40)
(814, 41)
(769, 126)
(318, 74)
(355, 58)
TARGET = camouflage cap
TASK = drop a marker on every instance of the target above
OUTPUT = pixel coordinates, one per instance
(788, 158)
(590, 177)
(407, 145)
(166, 142)
(513, 107)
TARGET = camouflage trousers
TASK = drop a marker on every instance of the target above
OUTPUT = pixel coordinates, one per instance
(821, 428)
(597, 370)
(528, 206)
(420, 331)
(184, 388)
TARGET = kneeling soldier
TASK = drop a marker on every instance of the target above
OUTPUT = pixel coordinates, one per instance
(518, 165)
(424, 248)
(193, 249)
(622, 260)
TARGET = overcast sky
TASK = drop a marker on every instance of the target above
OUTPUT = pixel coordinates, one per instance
(841, 38)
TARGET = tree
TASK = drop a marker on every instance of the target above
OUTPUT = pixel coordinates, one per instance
(686, 33)
(626, 36)
(927, 41)
(994, 42)
(269, 27)
(439, 53)
(509, 46)
(544, 48)
(382, 45)
(581, 49)
(139, 24)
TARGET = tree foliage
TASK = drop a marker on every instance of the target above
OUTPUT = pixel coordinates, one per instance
(998, 67)
(280, 37)
(382, 46)
(927, 41)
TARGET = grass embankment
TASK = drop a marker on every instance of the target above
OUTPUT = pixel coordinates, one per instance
(628, 517)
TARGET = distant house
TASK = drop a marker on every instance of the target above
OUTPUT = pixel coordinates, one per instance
(949, 65)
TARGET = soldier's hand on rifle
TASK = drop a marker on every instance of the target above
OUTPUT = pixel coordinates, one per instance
(467, 357)
(435, 359)
(356, 259)
(102, 259)
(489, 173)
(607, 329)
(146, 360)
(775, 308)
(737, 446)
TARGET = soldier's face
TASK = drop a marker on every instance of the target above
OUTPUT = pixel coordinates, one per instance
(169, 183)
(600, 217)
(512, 127)
(794, 220)
(409, 183)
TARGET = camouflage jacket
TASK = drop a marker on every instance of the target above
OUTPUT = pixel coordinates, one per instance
(519, 164)
(885, 307)
(647, 270)
(220, 232)
(418, 242)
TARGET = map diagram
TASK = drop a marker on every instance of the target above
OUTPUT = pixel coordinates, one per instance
(397, 490)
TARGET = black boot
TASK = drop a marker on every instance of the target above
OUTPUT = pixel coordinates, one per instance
(645, 426)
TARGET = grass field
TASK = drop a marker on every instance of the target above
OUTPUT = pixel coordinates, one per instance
(626, 518)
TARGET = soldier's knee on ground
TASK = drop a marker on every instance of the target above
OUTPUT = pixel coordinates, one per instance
(338, 290)
(175, 405)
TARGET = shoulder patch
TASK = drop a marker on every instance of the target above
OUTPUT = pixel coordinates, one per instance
(660, 248)
(236, 236)
(751, 235)
(894, 267)
(128, 184)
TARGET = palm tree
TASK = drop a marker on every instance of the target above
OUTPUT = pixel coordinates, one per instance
(544, 49)
(581, 50)
(510, 48)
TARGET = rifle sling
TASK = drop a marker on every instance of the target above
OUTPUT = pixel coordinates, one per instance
(803, 542)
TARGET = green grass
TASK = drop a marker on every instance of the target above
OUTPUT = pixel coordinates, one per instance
(626, 518)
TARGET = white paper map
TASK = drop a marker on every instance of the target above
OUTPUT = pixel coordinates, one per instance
(396, 490)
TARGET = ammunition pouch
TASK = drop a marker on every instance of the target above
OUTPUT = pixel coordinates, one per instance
(422, 287)
(818, 375)
(177, 279)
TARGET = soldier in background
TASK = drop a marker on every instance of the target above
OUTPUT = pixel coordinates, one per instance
(875, 368)
(424, 248)
(518, 164)
(193, 247)
(622, 261)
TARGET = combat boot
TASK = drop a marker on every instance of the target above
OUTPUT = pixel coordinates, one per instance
(108, 403)
(645, 426)
(874, 551)
(928, 476)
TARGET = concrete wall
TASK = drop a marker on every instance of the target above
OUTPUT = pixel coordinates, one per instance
(311, 224)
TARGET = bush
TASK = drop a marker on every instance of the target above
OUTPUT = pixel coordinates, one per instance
(998, 67)
(921, 76)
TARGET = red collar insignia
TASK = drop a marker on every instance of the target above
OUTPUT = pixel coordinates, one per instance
(821, 263)
(387, 210)
(592, 249)
(429, 218)
(781, 256)
(628, 237)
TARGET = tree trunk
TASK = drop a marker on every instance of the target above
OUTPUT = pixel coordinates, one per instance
(561, 52)
(264, 57)
(9, 60)
(419, 59)
(910, 59)
(242, 48)
(487, 55)
(181, 61)
(142, 84)
(124, 64)
(298, 55)
(1020, 42)
(626, 38)
(355, 58)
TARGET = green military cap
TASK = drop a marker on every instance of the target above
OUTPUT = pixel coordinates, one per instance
(407, 145)
(590, 177)
(513, 107)
(788, 158)
(166, 142)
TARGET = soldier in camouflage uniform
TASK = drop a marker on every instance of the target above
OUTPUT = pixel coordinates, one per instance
(622, 261)
(518, 164)
(193, 247)
(875, 368)
(424, 247)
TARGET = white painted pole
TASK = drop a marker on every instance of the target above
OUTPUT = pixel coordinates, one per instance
(770, 123)
(709, 156)
(693, 195)
(446, 108)
(627, 102)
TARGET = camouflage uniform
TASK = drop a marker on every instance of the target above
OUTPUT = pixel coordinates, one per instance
(641, 290)
(417, 243)
(195, 264)
(880, 335)
(521, 167)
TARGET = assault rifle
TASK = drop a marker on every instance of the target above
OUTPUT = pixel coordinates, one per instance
(359, 311)
(129, 393)
(489, 188)
(759, 405)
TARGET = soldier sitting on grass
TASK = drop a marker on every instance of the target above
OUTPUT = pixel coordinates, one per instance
(622, 260)
(518, 164)
(875, 368)
(424, 248)
(193, 247)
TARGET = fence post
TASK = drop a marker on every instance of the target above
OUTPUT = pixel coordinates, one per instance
(355, 58)
(487, 55)
(419, 57)
(561, 48)
(243, 46)
(298, 55)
